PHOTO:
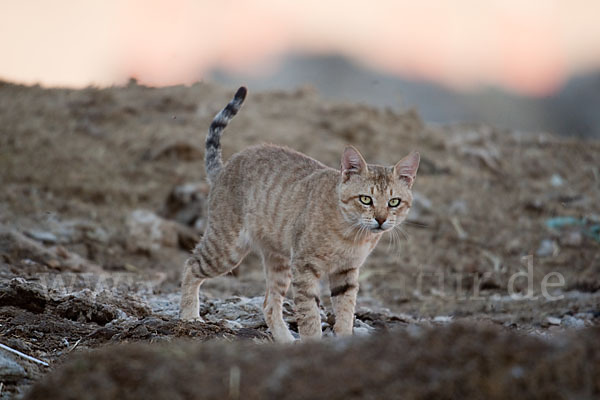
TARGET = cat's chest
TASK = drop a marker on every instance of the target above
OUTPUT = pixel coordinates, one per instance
(360, 252)
(354, 254)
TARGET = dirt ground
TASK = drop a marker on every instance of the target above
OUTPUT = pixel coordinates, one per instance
(102, 196)
(454, 362)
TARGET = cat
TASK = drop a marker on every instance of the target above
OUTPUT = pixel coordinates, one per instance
(305, 219)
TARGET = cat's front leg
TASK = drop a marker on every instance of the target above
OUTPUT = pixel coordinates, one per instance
(190, 304)
(343, 284)
(306, 298)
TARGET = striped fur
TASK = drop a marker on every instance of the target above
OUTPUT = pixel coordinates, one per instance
(213, 159)
(305, 219)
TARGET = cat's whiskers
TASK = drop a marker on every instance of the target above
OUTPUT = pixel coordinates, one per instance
(362, 230)
(416, 224)
(396, 231)
(393, 239)
(390, 240)
(352, 229)
(403, 232)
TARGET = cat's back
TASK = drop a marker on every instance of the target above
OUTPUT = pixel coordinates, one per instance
(268, 181)
(261, 161)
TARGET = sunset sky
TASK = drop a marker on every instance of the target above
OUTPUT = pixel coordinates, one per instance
(530, 47)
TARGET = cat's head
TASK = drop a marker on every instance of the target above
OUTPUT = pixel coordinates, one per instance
(373, 197)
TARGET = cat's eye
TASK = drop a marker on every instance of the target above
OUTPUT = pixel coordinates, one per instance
(366, 200)
(395, 202)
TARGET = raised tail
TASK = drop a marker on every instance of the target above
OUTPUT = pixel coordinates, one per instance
(212, 159)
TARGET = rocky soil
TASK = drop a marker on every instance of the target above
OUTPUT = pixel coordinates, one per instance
(493, 288)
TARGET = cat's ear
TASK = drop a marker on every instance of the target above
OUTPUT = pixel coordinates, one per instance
(352, 163)
(406, 169)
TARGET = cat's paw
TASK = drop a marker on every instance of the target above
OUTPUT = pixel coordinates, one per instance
(190, 317)
(283, 336)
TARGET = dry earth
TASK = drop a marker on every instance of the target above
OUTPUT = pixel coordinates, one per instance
(102, 195)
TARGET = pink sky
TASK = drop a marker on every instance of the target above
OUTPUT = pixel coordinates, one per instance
(528, 46)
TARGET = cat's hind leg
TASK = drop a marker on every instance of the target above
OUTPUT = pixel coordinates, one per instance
(216, 254)
(278, 276)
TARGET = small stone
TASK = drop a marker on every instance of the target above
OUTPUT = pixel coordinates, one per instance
(547, 248)
(517, 372)
(186, 204)
(149, 232)
(553, 320)
(458, 207)
(571, 239)
(42, 236)
(556, 180)
(362, 328)
(572, 322)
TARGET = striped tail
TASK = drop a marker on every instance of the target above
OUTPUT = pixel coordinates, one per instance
(213, 160)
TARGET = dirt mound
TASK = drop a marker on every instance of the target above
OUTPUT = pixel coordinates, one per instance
(446, 363)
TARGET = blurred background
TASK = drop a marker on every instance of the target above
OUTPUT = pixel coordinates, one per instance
(530, 65)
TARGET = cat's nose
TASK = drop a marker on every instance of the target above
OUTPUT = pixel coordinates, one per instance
(380, 220)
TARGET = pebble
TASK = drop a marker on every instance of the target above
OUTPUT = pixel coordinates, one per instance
(458, 207)
(149, 232)
(42, 236)
(547, 248)
(556, 180)
(572, 322)
(362, 329)
(572, 239)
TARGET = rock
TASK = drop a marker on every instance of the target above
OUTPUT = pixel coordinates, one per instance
(362, 329)
(66, 232)
(458, 207)
(242, 311)
(573, 322)
(19, 247)
(547, 248)
(571, 239)
(23, 294)
(86, 305)
(556, 180)
(186, 204)
(41, 236)
(149, 232)
(553, 320)
(10, 370)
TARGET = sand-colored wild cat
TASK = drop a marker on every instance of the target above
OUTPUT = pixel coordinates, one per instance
(305, 219)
